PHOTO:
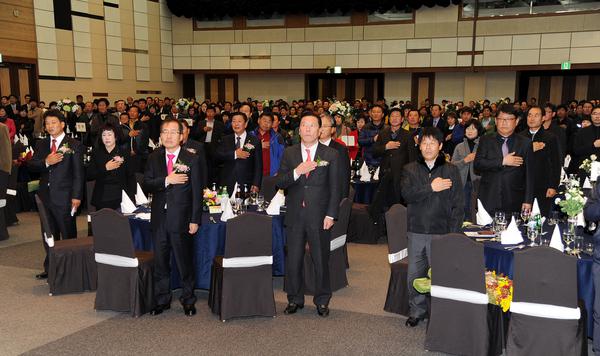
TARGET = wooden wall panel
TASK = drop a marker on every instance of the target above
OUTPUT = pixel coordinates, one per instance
(23, 83)
(17, 38)
(556, 85)
(581, 87)
(4, 81)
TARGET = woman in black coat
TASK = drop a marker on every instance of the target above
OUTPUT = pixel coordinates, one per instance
(113, 170)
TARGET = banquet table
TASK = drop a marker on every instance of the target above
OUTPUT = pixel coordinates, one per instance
(499, 259)
(209, 242)
(365, 191)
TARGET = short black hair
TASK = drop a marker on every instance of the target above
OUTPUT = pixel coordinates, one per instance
(109, 127)
(432, 132)
(267, 114)
(377, 106)
(551, 106)
(535, 107)
(239, 113)
(169, 120)
(561, 106)
(310, 113)
(478, 126)
(395, 110)
(104, 100)
(134, 107)
(54, 113)
(466, 109)
(507, 109)
(438, 105)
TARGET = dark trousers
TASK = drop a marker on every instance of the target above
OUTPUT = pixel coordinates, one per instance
(318, 240)
(182, 246)
(3, 185)
(62, 224)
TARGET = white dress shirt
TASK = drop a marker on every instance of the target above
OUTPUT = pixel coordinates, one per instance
(59, 140)
(313, 152)
(242, 140)
(167, 153)
(209, 133)
(326, 142)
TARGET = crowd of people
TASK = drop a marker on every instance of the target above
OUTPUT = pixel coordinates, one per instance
(435, 158)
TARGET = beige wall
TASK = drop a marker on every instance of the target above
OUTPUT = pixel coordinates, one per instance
(397, 86)
(271, 86)
(128, 51)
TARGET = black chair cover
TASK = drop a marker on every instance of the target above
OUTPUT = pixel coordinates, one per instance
(362, 228)
(269, 187)
(457, 327)
(397, 293)
(89, 191)
(351, 194)
(337, 258)
(544, 275)
(71, 267)
(123, 289)
(3, 185)
(244, 291)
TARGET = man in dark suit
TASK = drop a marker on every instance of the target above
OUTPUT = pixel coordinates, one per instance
(396, 146)
(436, 120)
(241, 154)
(545, 160)
(586, 141)
(59, 160)
(13, 108)
(173, 177)
(210, 131)
(309, 172)
(326, 137)
(196, 148)
(504, 161)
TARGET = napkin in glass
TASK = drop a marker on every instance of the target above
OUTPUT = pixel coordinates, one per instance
(512, 234)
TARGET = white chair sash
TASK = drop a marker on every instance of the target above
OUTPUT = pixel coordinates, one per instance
(2, 203)
(49, 240)
(545, 311)
(337, 242)
(458, 294)
(240, 262)
(400, 255)
(116, 260)
(11, 192)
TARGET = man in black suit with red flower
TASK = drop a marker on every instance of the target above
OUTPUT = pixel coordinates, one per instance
(309, 173)
(173, 177)
(59, 160)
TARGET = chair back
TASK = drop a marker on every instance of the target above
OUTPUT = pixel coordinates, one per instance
(397, 227)
(139, 178)
(248, 236)
(457, 262)
(352, 193)
(44, 221)
(340, 228)
(112, 234)
(545, 275)
(269, 187)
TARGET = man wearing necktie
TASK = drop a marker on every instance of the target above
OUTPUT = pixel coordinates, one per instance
(173, 177)
(309, 173)
(241, 155)
(504, 161)
(59, 160)
(546, 159)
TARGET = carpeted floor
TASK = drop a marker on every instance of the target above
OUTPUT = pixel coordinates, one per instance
(39, 324)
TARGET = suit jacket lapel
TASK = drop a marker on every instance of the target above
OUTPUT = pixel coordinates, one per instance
(162, 166)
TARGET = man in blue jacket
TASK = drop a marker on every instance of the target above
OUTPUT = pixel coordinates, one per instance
(369, 135)
(272, 144)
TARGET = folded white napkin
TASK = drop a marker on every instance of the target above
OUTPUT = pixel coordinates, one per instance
(127, 206)
(587, 184)
(227, 210)
(276, 203)
(151, 144)
(563, 174)
(580, 219)
(556, 241)
(365, 176)
(595, 172)
(140, 197)
(235, 187)
(567, 161)
(512, 235)
(143, 216)
(535, 210)
(483, 218)
(376, 174)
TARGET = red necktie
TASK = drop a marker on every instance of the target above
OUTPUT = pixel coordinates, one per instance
(170, 163)
(307, 160)
(53, 147)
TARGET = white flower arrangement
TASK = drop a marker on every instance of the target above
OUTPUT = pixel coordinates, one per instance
(65, 105)
(341, 108)
(573, 201)
(586, 165)
(183, 104)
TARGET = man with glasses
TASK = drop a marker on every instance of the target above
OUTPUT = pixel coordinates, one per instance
(173, 177)
(326, 137)
(504, 162)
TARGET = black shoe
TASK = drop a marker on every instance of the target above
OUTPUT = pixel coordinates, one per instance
(43, 275)
(323, 310)
(160, 308)
(189, 309)
(292, 308)
(412, 322)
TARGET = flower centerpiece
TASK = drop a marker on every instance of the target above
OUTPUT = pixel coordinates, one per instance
(586, 165)
(450, 107)
(210, 197)
(66, 106)
(341, 108)
(573, 199)
(499, 289)
(182, 104)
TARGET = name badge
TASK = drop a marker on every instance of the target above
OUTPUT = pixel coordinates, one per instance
(80, 127)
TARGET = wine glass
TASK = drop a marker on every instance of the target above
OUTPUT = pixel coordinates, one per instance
(260, 201)
(499, 222)
(532, 234)
(525, 212)
(149, 204)
(253, 196)
(577, 245)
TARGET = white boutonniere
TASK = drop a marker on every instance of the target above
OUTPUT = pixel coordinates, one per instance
(180, 167)
(64, 149)
(322, 162)
(191, 150)
(248, 147)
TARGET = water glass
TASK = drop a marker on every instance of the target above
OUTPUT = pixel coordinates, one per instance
(532, 234)
(149, 205)
(545, 240)
(253, 196)
(589, 248)
(577, 244)
(554, 218)
(260, 201)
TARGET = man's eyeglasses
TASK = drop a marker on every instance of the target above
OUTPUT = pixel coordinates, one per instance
(173, 132)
